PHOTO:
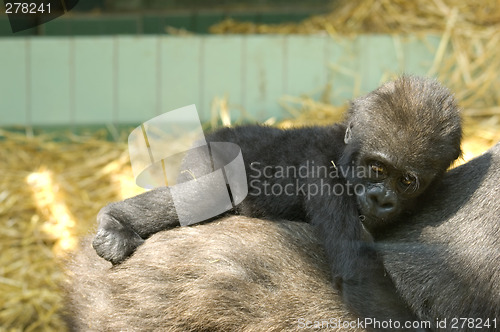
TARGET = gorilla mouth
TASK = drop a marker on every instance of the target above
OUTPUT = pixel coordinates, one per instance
(371, 212)
(370, 218)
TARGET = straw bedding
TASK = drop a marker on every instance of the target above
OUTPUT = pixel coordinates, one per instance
(50, 192)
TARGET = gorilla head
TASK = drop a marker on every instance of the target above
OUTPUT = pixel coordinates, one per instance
(401, 137)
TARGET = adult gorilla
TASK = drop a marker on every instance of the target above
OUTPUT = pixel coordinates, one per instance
(247, 274)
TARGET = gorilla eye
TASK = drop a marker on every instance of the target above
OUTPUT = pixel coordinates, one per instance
(408, 181)
(377, 167)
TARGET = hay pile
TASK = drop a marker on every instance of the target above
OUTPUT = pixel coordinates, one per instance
(466, 60)
(50, 192)
(378, 16)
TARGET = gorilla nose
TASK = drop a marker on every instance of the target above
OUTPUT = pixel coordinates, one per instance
(382, 202)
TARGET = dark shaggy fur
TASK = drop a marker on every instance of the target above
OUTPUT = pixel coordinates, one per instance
(242, 274)
(235, 274)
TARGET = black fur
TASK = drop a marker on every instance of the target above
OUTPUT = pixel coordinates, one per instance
(400, 137)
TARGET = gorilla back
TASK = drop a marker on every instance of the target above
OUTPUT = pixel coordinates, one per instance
(234, 274)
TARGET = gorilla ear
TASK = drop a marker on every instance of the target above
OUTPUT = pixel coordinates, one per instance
(348, 134)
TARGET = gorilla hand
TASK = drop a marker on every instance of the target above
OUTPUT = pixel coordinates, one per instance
(124, 225)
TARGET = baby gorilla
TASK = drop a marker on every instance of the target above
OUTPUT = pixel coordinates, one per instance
(360, 175)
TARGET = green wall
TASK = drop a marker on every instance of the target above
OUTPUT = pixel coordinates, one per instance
(47, 81)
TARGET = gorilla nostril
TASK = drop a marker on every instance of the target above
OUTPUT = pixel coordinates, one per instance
(382, 200)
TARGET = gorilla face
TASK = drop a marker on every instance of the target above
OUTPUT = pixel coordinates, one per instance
(388, 190)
